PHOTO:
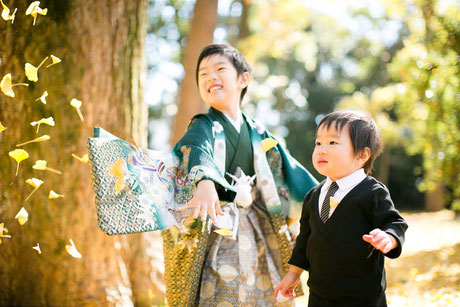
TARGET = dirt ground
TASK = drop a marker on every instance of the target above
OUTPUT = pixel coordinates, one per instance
(428, 271)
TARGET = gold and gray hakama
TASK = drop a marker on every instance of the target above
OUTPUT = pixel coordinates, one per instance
(206, 269)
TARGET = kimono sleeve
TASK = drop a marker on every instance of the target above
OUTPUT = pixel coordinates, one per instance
(197, 152)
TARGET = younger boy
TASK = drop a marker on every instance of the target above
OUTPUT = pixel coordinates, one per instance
(348, 221)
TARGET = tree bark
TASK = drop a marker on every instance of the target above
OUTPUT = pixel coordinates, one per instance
(201, 34)
(101, 47)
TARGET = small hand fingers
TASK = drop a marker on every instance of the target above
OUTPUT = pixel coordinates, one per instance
(204, 214)
(196, 211)
(367, 238)
(212, 214)
(218, 208)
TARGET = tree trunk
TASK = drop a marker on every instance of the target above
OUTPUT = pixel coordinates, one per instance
(384, 167)
(201, 34)
(434, 199)
(101, 47)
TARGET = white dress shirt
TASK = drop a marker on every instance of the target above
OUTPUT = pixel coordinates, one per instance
(346, 184)
(235, 123)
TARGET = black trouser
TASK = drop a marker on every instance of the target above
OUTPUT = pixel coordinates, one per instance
(316, 300)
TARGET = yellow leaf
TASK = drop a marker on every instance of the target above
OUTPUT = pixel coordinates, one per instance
(18, 155)
(36, 183)
(7, 86)
(72, 250)
(43, 97)
(55, 60)
(118, 170)
(119, 185)
(2, 127)
(224, 232)
(49, 121)
(268, 144)
(77, 105)
(39, 139)
(333, 202)
(34, 9)
(41, 165)
(3, 231)
(6, 13)
(83, 159)
(37, 248)
(54, 195)
(32, 71)
(22, 216)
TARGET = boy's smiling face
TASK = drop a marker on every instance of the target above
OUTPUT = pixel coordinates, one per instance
(333, 155)
(219, 83)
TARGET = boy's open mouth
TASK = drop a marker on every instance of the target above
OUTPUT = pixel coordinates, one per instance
(214, 87)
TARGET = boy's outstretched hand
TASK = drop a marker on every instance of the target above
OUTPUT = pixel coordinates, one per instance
(381, 240)
(205, 200)
(289, 282)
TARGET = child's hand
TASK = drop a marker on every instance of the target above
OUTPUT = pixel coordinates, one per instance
(381, 240)
(205, 201)
(288, 284)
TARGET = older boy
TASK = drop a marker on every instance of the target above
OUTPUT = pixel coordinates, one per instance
(345, 218)
(244, 258)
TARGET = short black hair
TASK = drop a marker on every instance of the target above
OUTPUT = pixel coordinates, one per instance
(235, 57)
(362, 129)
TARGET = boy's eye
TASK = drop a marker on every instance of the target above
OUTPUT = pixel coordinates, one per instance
(318, 144)
(332, 142)
(221, 68)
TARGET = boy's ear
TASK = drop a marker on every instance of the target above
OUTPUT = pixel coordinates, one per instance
(244, 80)
(364, 155)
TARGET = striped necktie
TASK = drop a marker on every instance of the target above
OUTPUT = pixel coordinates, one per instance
(325, 208)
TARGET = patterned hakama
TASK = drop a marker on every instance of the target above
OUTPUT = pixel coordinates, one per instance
(245, 271)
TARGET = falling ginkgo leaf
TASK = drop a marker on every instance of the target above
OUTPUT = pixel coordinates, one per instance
(34, 10)
(41, 165)
(55, 60)
(77, 105)
(39, 139)
(3, 232)
(18, 155)
(268, 144)
(333, 202)
(7, 86)
(224, 232)
(118, 170)
(34, 182)
(32, 71)
(49, 121)
(22, 216)
(72, 250)
(37, 248)
(42, 98)
(2, 127)
(83, 159)
(54, 195)
(6, 13)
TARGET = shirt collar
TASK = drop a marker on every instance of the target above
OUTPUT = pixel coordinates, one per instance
(236, 123)
(348, 181)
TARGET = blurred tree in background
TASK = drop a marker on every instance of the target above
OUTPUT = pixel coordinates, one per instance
(101, 45)
(424, 95)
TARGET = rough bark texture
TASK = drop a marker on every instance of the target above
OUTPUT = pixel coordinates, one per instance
(101, 47)
(201, 34)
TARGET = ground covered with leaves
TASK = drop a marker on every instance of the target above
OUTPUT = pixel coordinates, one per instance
(428, 271)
